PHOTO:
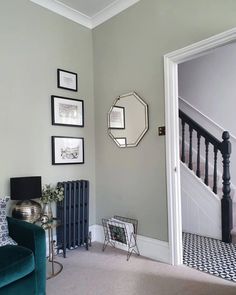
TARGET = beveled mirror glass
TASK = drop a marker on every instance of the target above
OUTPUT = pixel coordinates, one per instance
(128, 120)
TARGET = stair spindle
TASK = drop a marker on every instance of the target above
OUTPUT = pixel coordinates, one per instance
(183, 141)
(190, 163)
(198, 172)
(206, 161)
(215, 171)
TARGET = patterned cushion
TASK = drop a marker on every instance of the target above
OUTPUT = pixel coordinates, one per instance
(5, 239)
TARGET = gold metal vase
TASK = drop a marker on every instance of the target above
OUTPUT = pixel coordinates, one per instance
(28, 210)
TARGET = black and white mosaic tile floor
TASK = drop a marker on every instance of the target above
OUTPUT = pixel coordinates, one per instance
(210, 255)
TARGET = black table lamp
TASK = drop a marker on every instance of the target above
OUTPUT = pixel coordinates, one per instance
(24, 189)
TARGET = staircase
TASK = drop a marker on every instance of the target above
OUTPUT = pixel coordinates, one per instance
(206, 169)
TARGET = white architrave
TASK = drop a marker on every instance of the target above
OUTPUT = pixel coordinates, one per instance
(171, 62)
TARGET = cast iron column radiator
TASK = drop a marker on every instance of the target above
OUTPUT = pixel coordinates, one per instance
(115, 232)
(73, 212)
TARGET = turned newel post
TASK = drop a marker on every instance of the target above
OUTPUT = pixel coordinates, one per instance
(226, 202)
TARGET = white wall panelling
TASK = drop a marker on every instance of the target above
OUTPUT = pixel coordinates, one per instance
(201, 208)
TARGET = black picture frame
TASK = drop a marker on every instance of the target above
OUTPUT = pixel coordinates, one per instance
(67, 80)
(112, 125)
(66, 150)
(67, 111)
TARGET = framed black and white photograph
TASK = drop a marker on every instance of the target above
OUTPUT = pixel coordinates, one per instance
(67, 111)
(117, 118)
(67, 80)
(67, 150)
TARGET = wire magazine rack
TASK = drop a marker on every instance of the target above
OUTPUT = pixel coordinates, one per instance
(115, 232)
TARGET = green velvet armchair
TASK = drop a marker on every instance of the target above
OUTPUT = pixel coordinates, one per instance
(23, 267)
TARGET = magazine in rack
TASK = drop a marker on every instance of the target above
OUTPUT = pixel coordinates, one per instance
(121, 231)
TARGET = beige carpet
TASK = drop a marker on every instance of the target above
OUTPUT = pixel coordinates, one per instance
(95, 272)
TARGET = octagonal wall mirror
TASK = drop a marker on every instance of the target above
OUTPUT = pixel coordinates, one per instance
(128, 120)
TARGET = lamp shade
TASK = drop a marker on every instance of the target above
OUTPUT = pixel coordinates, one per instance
(26, 188)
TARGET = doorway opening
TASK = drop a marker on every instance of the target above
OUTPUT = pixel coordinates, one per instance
(171, 61)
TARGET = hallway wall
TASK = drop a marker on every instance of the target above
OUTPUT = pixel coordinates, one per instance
(128, 55)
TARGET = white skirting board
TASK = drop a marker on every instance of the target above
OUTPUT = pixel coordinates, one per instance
(148, 247)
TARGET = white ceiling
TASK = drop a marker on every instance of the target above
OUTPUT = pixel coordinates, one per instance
(89, 13)
(88, 7)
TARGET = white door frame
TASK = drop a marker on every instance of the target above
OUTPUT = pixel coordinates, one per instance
(171, 62)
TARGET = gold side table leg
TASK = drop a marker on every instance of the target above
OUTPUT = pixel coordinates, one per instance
(51, 259)
(52, 249)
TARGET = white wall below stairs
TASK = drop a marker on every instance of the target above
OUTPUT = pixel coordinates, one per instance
(201, 208)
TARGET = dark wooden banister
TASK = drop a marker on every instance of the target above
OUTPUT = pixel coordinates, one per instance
(225, 148)
(203, 132)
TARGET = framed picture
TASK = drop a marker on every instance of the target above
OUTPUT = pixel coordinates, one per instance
(117, 118)
(67, 150)
(67, 80)
(67, 111)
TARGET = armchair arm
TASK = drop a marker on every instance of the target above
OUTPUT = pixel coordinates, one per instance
(33, 237)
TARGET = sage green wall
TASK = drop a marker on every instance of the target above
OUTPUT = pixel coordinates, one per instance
(128, 55)
(34, 43)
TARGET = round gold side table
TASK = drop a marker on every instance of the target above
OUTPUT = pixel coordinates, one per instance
(50, 226)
